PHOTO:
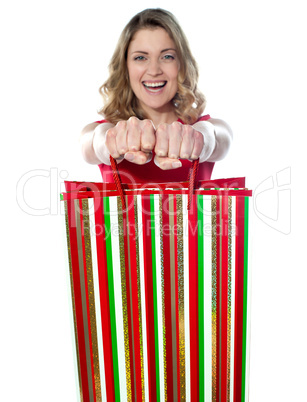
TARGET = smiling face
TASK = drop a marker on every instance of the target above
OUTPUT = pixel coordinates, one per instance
(153, 68)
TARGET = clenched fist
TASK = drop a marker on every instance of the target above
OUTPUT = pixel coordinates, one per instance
(133, 140)
(177, 141)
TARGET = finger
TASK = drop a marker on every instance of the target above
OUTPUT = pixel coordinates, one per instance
(148, 137)
(175, 140)
(165, 163)
(161, 147)
(134, 134)
(187, 142)
(197, 145)
(138, 157)
(192, 143)
(121, 137)
(111, 142)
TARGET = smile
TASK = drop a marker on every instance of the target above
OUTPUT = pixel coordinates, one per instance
(154, 86)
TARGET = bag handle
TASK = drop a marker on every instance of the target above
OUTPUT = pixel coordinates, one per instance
(191, 179)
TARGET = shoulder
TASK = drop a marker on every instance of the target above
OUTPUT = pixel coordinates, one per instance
(201, 118)
(102, 121)
(204, 118)
(91, 126)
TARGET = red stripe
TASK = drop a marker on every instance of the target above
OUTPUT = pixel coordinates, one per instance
(224, 298)
(238, 333)
(134, 296)
(87, 300)
(147, 224)
(193, 289)
(177, 297)
(104, 299)
(129, 304)
(167, 296)
(113, 193)
(237, 182)
(77, 299)
(218, 298)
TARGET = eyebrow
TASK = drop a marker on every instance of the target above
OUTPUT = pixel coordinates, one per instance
(162, 51)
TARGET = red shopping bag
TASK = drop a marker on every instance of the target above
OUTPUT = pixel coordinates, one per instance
(159, 286)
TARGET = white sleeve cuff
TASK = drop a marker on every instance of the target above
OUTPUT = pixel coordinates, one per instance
(208, 132)
(99, 143)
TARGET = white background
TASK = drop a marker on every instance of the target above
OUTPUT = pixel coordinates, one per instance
(252, 58)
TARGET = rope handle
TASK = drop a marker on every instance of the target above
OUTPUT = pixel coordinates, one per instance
(191, 179)
(117, 181)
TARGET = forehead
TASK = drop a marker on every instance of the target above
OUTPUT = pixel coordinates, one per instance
(151, 39)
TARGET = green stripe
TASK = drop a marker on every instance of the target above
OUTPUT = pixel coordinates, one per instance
(106, 208)
(154, 285)
(245, 296)
(200, 205)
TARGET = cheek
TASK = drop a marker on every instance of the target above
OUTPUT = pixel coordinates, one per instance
(174, 73)
(134, 71)
(175, 79)
(131, 72)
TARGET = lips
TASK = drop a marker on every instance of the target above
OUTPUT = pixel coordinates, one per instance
(154, 86)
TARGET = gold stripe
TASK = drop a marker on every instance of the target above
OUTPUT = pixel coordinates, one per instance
(163, 296)
(73, 298)
(213, 295)
(83, 299)
(139, 295)
(91, 297)
(131, 306)
(173, 292)
(229, 294)
(181, 295)
(124, 297)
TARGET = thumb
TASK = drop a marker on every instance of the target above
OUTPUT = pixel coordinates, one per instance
(138, 157)
(166, 163)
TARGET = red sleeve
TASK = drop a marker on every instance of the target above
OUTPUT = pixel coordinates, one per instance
(101, 121)
(204, 118)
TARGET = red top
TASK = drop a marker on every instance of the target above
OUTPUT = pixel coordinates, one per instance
(151, 173)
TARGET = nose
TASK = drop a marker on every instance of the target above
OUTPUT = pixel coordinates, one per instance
(154, 68)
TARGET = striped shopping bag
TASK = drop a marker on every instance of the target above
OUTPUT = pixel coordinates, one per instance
(159, 290)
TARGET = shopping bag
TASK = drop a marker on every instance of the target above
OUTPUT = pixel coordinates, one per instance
(159, 290)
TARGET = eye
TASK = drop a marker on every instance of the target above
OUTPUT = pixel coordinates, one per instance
(139, 58)
(168, 57)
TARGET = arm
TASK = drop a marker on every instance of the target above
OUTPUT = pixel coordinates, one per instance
(217, 139)
(132, 139)
(207, 140)
(92, 141)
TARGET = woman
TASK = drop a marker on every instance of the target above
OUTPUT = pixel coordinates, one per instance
(153, 123)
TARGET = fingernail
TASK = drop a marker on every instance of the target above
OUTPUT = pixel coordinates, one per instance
(176, 164)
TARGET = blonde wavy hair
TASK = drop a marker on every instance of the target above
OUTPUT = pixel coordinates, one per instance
(120, 103)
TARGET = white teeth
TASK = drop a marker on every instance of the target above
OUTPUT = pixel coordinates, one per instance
(154, 84)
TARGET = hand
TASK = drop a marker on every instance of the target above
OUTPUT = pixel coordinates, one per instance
(176, 141)
(133, 140)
